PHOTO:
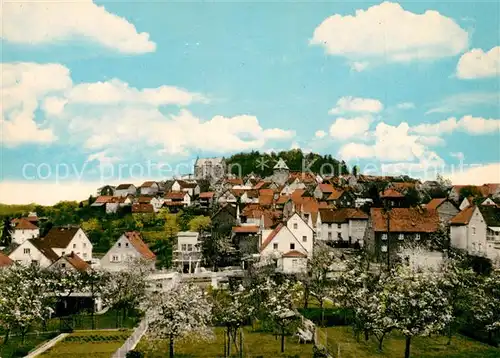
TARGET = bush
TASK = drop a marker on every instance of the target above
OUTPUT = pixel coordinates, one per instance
(332, 316)
(134, 354)
(21, 351)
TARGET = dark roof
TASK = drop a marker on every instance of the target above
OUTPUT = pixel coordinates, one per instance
(24, 224)
(207, 195)
(44, 248)
(148, 184)
(142, 208)
(341, 215)
(185, 184)
(294, 253)
(246, 229)
(491, 214)
(60, 237)
(75, 261)
(136, 240)
(124, 186)
(416, 220)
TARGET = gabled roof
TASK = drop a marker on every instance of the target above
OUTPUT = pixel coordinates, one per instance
(207, 195)
(282, 199)
(435, 203)
(5, 260)
(463, 217)
(135, 239)
(23, 224)
(75, 261)
(281, 165)
(261, 185)
(491, 214)
(60, 237)
(414, 220)
(331, 216)
(142, 208)
(124, 186)
(148, 184)
(326, 188)
(266, 200)
(247, 229)
(335, 194)
(235, 181)
(144, 199)
(294, 253)
(103, 199)
(187, 185)
(175, 195)
(44, 248)
(391, 193)
(271, 236)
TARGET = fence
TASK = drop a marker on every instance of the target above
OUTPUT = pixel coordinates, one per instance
(132, 341)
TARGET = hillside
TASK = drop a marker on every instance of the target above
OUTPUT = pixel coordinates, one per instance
(262, 163)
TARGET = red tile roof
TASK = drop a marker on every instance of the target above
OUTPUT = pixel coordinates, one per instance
(416, 220)
(294, 253)
(341, 215)
(148, 184)
(271, 236)
(60, 237)
(266, 200)
(246, 229)
(75, 261)
(335, 195)
(144, 199)
(235, 181)
(326, 188)
(136, 240)
(261, 184)
(5, 260)
(266, 192)
(282, 199)
(435, 203)
(23, 224)
(175, 195)
(207, 195)
(124, 186)
(103, 199)
(142, 208)
(391, 193)
(463, 217)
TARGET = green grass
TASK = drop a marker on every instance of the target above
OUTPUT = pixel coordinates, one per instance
(95, 344)
(394, 346)
(256, 344)
(14, 347)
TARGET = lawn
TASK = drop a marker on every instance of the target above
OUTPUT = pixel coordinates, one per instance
(95, 344)
(394, 346)
(106, 320)
(14, 347)
(256, 344)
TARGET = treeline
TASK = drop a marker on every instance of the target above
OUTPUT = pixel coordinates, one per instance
(263, 163)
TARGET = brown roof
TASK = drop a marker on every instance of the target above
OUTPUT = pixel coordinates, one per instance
(294, 253)
(103, 199)
(23, 224)
(235, 181)
(309, 205)
(326, 188)
(305, 177)
(124, 186)
(173, 203)
(282, 199)
(207, 195)
(271, 236)
(261, 184)
(45, 249)
(175, 195)
(144, 199)
(266, 192)
(391, 193)
(142, 208)
(463, 217)
(405, 220)
(147, 184)
(135, 239)
(246, 229)
(5, 260)
(435, 203)
(60, 237)
(75, 261)
(341, 215)
(266, 200)
(336, 194)
(185, 184)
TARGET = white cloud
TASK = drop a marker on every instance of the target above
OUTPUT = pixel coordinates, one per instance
(359, 66)
(464, 101)
(431, 140)
(320, 134)
(23, 85)
(388, 33)
(39, 22)
(277, 133)
(345, 128)
(406, 105)
(103, 158)
(479, 64)
(119, 92)
(476, 175)
(355, 104)
(469, 124)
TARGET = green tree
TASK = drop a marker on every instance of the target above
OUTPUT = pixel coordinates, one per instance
(200, 223)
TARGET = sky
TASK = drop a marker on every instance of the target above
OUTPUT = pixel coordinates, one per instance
(110, 92)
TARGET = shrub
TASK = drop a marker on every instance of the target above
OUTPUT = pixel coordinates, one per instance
(332, 316)
(134, 354)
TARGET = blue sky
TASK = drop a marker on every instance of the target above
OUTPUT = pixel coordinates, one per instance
(405, 87)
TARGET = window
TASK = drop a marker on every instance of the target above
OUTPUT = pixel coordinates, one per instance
(84, 245)
(295, 226)
(329, 235)
(183, 247)
(473, 230)
(339, 226)
(295, 262)
(304, 238)
(190, 247)
(126, 244)
(35, 262)
(62, 253)
(292, 246)
(417, 237)
(74, 246)
(84, 255)
(27, 251)
(63, 265)
(119, 244)
(159, 285)
(339, 235)
(306, 217)
(384, 236)
(383, 248)
(401, 237)
(275, 246)
(115, 258)
(329, 226)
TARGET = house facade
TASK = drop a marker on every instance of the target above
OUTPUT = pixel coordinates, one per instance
(127, 248)
(149, 188)
(125, 190)
(446, 209)
(34, 252)
(65, 240)
(346, 226)
(187, 254)
(23, 230)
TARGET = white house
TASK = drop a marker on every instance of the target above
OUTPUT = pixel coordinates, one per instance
(186, 186)
(149, 188)
(346, 225)
(65, 240)
(177, 197)
(125, 190)
(291, 242)
(34, 252)
(23, 230)
(187, 254)
(476, 230)
(128, 247)
(71, 262)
